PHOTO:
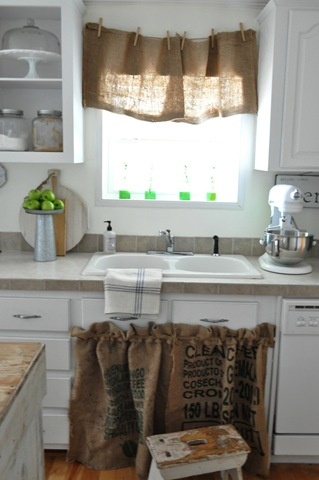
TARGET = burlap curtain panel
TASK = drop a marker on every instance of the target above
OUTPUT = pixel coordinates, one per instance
(165, 378)
(155, 81)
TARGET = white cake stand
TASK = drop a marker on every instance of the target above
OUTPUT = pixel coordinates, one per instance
(33, 57)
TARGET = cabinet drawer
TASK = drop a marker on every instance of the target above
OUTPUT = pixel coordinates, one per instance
(55, 430)
(42, 314)
(93, 311)
(57, 351)
(58, 393)
(229, 314)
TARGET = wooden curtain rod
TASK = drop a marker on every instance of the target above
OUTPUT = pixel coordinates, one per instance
(138, 31)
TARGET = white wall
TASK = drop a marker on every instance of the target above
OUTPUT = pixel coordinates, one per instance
(197, 20)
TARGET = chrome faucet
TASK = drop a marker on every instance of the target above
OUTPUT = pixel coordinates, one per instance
(170, 244)
(169, 239)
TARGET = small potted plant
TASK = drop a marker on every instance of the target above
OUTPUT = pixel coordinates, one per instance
(124, 193)
(211, 195)
(185, 193)
(150, 194)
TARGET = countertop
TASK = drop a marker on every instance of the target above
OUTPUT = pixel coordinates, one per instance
(18, 271)
(16, 362)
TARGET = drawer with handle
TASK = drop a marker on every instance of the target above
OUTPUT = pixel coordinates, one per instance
(208, 313)
(35, 314)
(93, 311)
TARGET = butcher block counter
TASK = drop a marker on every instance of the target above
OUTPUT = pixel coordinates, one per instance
(22, 388)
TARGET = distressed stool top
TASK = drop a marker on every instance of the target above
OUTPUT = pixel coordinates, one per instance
(196, 445)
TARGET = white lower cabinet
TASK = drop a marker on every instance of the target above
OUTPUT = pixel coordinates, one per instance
(47, 317)
(229, 314)
(58, 392)
(55, 431)
(45, 320)
(233, 312)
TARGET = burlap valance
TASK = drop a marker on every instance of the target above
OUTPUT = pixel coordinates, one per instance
(165, 378)
(152, 82)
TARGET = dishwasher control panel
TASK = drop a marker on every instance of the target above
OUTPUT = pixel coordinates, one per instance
(300, 317)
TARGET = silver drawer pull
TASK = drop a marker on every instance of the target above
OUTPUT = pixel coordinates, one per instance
(26, 317)
(212, 320)
(124, 319)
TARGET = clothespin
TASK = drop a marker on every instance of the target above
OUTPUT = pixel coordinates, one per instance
(212, 38)
(138, 31)
(183, 41)
(100, 27)
(168, 41)
(241, 25)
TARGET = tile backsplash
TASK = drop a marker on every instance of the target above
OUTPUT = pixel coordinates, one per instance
(133, 243)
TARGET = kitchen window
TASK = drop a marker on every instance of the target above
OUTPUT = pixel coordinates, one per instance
(177, 117)
(148, 163)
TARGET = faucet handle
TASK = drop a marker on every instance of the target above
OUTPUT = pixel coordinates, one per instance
(216, 246)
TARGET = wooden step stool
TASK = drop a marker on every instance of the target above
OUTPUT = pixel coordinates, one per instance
(195, 452)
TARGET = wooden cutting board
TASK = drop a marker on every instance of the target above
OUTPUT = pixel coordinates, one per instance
(59, 221)
(75, 217)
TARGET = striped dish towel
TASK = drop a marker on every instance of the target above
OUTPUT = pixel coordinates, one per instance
(132, 290)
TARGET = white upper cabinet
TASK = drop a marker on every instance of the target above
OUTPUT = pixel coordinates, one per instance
(56, 82)
(288, 117)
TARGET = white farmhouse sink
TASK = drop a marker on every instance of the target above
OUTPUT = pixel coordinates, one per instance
(198, 266)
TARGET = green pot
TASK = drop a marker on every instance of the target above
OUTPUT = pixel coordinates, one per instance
(184, 195)
(150, 195)
(211, 196)
(124, 194)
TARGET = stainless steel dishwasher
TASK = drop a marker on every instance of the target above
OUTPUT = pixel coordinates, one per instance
(296, 429)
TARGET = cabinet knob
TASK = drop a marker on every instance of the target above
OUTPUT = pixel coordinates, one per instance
(25, 316)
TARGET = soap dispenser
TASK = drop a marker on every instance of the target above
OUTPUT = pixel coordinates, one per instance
(109, 239)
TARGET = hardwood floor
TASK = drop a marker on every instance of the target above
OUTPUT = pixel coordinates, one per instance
(56, 468)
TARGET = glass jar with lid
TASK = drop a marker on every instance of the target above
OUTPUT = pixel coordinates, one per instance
(14, 133)
(47, 131)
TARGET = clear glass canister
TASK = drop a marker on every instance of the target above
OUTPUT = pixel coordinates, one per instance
(47, 132)
(13, 130)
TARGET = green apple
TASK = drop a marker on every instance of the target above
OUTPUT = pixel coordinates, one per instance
(47, 195)
(47, 205)
(58, 204)
(31, 204)
(34, 194)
